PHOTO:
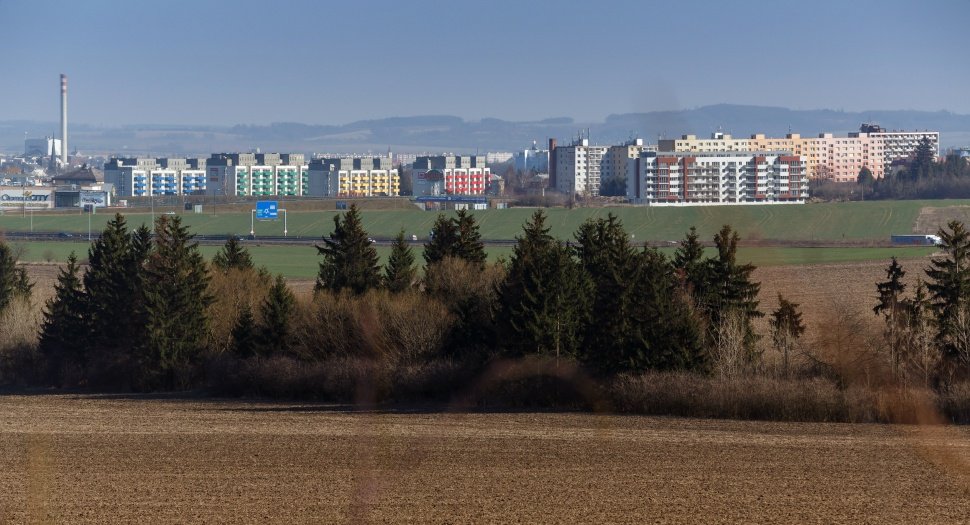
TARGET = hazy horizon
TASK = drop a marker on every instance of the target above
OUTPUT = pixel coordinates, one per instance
(222, 63)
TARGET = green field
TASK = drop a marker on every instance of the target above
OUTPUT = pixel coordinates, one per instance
(809, 222)
(301, 261)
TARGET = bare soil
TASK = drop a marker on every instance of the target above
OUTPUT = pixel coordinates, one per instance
(930, 219)
(100, 459)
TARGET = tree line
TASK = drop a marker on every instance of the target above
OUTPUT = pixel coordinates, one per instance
(927, 332)
(148, 312)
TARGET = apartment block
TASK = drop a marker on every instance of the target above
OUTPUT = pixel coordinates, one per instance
(718, 177)
(256, 174)
(450, 175)
(578, 168)
(620, 160)
(353, 177)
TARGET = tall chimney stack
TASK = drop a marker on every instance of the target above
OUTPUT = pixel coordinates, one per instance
(64, 119)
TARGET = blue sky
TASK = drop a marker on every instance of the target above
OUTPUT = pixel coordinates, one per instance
(252, 62)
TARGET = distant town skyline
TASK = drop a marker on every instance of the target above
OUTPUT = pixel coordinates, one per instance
(256, 62)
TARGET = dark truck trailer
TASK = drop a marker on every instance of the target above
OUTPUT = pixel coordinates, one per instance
(916, 240)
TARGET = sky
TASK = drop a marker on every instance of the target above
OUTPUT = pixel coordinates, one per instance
(216, 62)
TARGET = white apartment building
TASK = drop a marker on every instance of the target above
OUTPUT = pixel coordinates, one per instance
(718, 177)
(578, 168)
(532, 159)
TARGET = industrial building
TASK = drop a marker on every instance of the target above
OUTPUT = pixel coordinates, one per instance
(718, 177)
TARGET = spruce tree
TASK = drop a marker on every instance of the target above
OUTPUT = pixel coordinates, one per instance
(443, 241)
(233, 255)
(786, 327)
(605, 254)
(399, 272)
(176, 300)
(113, 285)
(244, 334)
(13, 279)
(350, 261)
(688, 261)
(892, 306)
(949, 291)
(544, 297)
(730, 290)
(666, 335)
(65, 325)
(276, 313)
(469, 245)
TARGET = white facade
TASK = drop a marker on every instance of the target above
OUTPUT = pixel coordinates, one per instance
(705, 178)
(578, 168)
(44, 147)
(532, 159)
(255, 181)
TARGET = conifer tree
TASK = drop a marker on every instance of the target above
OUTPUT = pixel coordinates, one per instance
(276, 313)
(730, 290)
(544, 297)
(350, 261)
(666, 334)
(233, 255)
(13, 279)
(65, 325)
(892, 306)
(469, 245)
(244, 333)
(688, 260)
(113, 285)
(605, 254)
(399, 272)
(786, 328)
(443, 241)
(176, 299)
(949, 291)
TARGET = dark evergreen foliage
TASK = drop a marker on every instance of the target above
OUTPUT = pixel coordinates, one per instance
(544, 297)
(949, 289)
(233, 255)
(176, 299)
(350, 261)
(244, 334)
(667, 335)
(400, 271)
(444, 238)
(114, 291)
(728, 288)
(276, 312)
(786, 328)
(469, 244)
(65, 325)
(604, 252)
(13, 279)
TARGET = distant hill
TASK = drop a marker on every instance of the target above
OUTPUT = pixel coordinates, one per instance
(448, 133)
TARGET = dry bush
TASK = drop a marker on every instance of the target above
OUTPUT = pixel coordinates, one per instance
(457, 282)
(728, 353)
(955, 402)
(408, 327)
(739, 397)
(20, 323)
(847, 348)
(231, 291)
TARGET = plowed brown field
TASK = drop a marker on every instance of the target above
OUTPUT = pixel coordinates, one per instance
(72, 459)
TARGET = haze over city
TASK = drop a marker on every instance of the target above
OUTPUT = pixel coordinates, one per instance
(253, 62)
